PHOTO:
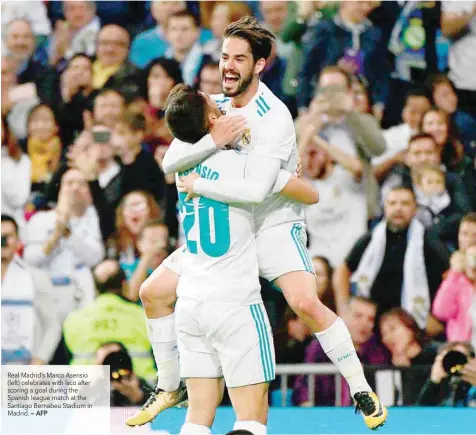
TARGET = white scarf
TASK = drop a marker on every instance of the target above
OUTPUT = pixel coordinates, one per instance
(415, 291)
(18, 315)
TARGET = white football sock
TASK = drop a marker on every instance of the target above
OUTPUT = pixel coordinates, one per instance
(254, 427)
(194, 429)
(337, 344)
(163, 339)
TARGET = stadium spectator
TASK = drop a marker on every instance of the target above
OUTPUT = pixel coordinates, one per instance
(397, 137)
(446, 99)
(111, 69)
(397, 264)
(183, 33)
(30, 329)
(43, 145)
(139, 170)
(16, 177)
(66, 242)
(458, 23)
(360, 319)
(344, 126)
(108, 318)
(432, 197)
(275, 16)
(340, 218)
(412, 60)
(422, 149)
(441, 389)
(153, 43)
(455, 300)
(466, 238)
(273, 76)
(96, 161)
(362, 97)
(76, 34)
(209, 80)
(77, 95)
(36, 13)
(222, 14)
(351, 41)
(17, 101)
(437, 123)
(324, 271)
(409, 348)
(20, 44)
(108, 108)
(127, 389)
(161, 76)
(153, 247)
(133, 213)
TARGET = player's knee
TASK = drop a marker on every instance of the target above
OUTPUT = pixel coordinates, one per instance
(154, 291)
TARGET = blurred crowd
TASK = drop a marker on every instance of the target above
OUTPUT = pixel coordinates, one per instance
(384, 99)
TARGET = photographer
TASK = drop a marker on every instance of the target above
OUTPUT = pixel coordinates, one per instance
(127, 389)
(445, 388)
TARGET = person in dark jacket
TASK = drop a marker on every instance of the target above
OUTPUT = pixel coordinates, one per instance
(422, 150)
(20, 44)
(111, 69)
(352, 42)
(441, 389)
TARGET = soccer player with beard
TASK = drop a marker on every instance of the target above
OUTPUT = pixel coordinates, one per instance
(278, 223)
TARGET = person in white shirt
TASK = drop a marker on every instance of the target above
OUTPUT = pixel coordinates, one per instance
(31, 329)
(458, 22)
(77, 34)
(16, 177)
(66, 242)
(340, 218)
(417, 103)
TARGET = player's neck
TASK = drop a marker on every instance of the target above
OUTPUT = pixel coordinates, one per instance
(244, 98)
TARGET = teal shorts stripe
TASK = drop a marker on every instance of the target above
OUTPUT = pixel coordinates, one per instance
(261, 337)
(295, 234)
(269, 350)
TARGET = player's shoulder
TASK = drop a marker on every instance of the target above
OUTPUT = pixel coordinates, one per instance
(270, 107)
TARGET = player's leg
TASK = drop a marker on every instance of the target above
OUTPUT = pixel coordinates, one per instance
(244, 343)
(204, 396)
(293, 272)
(250, 404)
(199, 365)
(158, 296)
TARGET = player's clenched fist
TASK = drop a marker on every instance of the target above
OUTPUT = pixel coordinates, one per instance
(227, 128)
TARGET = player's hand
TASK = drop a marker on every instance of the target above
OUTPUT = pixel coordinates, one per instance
(227, 129)
(185, 184)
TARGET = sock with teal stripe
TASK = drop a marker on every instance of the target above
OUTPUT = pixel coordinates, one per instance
(337, 344)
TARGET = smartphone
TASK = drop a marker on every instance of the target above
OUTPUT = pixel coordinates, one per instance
(102, 136)
(4, 241)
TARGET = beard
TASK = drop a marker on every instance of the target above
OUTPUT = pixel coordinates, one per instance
(243, 85)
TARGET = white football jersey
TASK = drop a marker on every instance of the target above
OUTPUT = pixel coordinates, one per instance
(220, 262)
(271, 132)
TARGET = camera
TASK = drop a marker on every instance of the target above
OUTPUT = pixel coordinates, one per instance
(4, 241)
(120, 363)
(101, 136)
(453, 362)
